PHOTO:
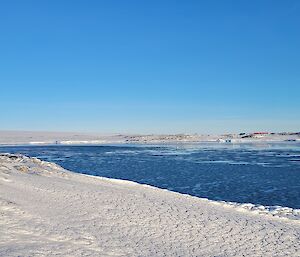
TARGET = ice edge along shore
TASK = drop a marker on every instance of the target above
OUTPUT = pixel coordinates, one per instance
(277, 211)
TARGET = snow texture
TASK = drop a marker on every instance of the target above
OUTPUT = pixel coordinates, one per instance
(48, 211)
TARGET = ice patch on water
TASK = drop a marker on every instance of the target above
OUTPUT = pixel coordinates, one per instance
(239, 163)
(214, 161)
(118, 152)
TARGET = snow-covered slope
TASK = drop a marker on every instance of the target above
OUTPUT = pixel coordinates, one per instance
(48, 211)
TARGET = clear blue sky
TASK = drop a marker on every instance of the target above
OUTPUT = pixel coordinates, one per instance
(150, 66)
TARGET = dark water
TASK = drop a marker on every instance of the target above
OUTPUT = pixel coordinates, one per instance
(266, 174)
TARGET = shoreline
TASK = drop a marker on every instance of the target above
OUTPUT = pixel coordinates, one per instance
(272, 211)
(59, 138)
(153, 144)
(33, 186)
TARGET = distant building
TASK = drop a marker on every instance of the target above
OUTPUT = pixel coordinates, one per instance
(228, 140)
(260, 133)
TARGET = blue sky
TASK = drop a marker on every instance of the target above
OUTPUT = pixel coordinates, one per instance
(150, 66)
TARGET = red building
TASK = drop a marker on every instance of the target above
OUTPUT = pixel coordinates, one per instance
(260, 133)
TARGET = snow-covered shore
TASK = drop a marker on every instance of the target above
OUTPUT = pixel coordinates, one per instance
(46, 211)
(68, 138)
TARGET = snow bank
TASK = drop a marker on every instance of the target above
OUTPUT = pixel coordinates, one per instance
(46, 210)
